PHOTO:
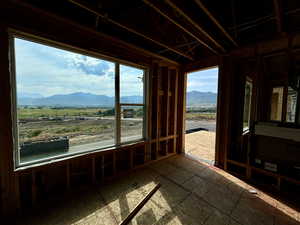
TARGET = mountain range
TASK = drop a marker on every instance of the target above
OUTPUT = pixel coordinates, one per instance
(198, 98)
(80, 99)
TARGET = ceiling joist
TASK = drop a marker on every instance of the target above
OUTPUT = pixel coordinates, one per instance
(215, 21)
(125, 27)
(196, 25)
(157, 9)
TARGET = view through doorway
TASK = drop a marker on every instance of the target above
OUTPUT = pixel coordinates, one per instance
(201, 112)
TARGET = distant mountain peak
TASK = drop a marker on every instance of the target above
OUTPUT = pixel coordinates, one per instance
(199, 99)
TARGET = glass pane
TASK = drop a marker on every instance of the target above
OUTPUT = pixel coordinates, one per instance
(276, 103)
(247, 105)
(291, 105)
(65, 101)
(131, 85)
(132, 120)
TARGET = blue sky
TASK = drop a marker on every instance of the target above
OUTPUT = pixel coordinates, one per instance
(44, 71)
(204, 81)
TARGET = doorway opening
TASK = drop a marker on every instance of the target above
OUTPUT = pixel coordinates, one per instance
(201, 114)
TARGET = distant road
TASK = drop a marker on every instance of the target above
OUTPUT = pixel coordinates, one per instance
(193, 124)
(100, 144)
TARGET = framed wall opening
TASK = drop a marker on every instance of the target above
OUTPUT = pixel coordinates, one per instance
(201, 114)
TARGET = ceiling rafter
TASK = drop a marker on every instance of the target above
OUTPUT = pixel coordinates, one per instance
(125, 27)
(180, 46)
(196, 25)
(180, 26)
(215, 21)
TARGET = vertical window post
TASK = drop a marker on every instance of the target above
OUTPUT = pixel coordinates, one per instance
(117, 104)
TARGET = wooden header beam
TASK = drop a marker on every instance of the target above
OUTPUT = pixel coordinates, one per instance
(125, 27)
(215, 21)
(178, 25)
(196, 25)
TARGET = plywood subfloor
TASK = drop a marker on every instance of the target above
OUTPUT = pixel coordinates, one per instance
(201, 145)
(191, 193)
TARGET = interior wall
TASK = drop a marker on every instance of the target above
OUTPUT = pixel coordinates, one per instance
(267, 64)
(29, 186)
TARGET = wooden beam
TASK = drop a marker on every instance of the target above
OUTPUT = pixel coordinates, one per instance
(175, 99)
(196, 25)
(204, 63)
(215, 21)
(140, 206)
(125, 27)
(278, 11)
(181, 107)
(178, 25)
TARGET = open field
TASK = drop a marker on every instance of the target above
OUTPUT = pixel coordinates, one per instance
(34, 113)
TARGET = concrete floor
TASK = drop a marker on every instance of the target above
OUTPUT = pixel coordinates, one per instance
(191, 193)
(201, 146)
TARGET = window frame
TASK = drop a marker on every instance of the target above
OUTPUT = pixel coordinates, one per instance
(119, 104)
(283, 119)
(283, 104)
(249, 81)
(117, 62)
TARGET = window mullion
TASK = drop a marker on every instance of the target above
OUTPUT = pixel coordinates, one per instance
(117, 105)
(297, 114)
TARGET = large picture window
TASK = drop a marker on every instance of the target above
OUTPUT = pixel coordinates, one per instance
(66, 102)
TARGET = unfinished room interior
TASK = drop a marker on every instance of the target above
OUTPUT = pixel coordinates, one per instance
(96, 103)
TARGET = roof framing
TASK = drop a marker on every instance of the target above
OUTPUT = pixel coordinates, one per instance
(215, 21)
(196, 25)
(125, 27)
(116, 41)
(157, 9)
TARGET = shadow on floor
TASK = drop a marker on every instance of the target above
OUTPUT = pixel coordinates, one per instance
(191, 193)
